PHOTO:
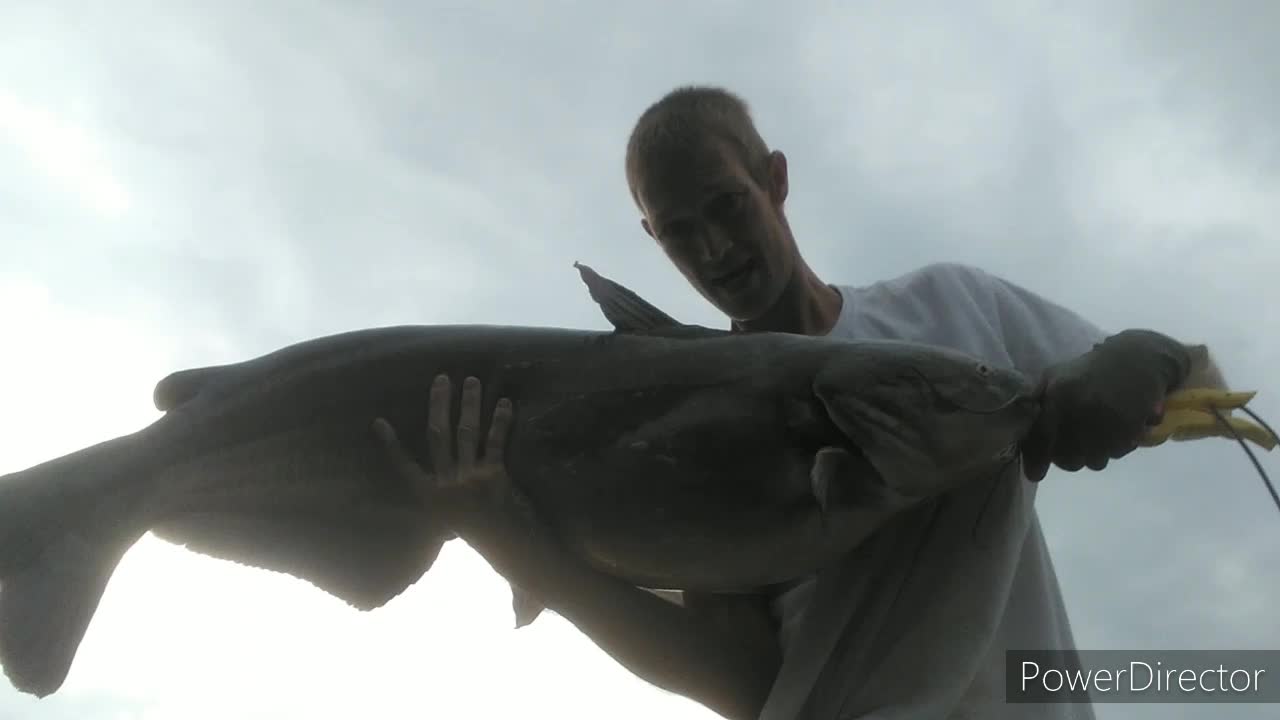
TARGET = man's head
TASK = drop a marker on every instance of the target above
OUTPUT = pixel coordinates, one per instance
(711, 193)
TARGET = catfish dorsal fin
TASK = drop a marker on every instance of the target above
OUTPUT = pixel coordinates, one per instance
(624, 309)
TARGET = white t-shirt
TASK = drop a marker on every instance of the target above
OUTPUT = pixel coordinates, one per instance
(914, 623)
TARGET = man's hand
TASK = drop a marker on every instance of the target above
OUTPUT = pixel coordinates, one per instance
(1097, 407)
(469, 486)
(721, 651)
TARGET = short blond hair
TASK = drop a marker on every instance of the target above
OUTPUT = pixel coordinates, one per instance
(688, 120)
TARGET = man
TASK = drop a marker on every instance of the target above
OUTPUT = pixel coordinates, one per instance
(915, 622)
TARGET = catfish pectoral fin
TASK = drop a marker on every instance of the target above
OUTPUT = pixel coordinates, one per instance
(844, 479)
(825, 463)
(527, 608)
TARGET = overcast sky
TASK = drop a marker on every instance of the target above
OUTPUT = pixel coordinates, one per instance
(208, 182)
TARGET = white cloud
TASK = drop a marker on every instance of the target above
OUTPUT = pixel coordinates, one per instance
(63, 152)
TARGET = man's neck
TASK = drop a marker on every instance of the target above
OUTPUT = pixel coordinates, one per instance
(807, 306)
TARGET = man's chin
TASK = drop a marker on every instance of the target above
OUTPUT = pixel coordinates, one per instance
(741, 309)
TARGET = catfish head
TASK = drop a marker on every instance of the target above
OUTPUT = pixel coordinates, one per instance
(927, 418)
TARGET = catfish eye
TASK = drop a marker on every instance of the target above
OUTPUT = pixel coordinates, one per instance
(983, 369)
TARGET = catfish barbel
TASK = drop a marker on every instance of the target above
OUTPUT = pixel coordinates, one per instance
(672, 456)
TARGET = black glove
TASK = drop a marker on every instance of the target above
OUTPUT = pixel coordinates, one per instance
(1096, 407)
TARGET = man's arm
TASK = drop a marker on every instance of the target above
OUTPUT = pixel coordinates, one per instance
(721, 651)
(1099, 392)
(1040, 333)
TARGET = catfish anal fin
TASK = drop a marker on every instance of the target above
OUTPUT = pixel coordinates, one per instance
(365, 559)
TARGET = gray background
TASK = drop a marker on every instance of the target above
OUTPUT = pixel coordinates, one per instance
(205, 182)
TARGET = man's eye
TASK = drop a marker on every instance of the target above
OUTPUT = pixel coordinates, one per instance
(727, 203)
(677, 230)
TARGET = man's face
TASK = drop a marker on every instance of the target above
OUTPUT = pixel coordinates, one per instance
(721, 229)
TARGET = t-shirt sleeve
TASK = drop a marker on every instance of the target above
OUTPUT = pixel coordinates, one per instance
(1037, 332)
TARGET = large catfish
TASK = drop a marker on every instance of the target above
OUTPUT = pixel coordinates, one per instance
(674, 456)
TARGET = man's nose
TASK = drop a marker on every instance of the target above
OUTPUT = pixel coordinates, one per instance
(715, 243)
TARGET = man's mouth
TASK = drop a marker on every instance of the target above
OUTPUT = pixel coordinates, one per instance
(735, 276)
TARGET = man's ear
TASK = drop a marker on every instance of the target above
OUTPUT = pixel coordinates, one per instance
(778, 183)
(644, 223)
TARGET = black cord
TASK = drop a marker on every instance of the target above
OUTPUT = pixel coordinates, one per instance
(1248, 451)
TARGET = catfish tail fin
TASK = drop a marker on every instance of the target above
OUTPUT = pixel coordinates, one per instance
(56, 557)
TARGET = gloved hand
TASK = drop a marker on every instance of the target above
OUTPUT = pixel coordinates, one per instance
(1097, 407)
